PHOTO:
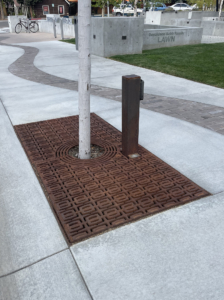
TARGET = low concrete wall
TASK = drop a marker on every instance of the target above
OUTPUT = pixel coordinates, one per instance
(151, 26)
(47, 26)
(178, 18)
(55, 16)
(213, 28)
(109, 36)
(117, 35)
(208, 20)
(13, 20)
(217, 19)
(153, 17)
(169, 37)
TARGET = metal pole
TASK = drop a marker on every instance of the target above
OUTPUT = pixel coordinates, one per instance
(62, 31)
(76, 33)
(108, 9)
(28, 26)
(217, 5)
(130, 114)
(54, 28)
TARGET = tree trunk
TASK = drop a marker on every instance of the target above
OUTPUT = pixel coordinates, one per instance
(31, 12)
(84, 19)
(1, 9)
(103, 11)
(135, 8)
(16, 7)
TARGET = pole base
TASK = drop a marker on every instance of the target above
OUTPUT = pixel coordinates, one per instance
(135, 155)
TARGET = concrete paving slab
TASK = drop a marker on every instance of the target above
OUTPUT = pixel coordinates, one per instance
(53, 103)
(24, 37)
(50, 105)
(108, 73)
(194, 151)
(9, 81)
(4, 30)
(4, 24)
(29, 231)
(46, 48)
(9, 54)
(170, 256)
(214, 97)
(56, 277)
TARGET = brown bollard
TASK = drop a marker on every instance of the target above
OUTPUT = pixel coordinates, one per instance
(131, 91)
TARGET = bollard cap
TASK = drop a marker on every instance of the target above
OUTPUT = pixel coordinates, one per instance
(131, 76)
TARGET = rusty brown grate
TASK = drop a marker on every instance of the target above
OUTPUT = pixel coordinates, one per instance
(92, 196)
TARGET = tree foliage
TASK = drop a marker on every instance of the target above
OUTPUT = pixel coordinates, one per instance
(203, 3)
(103, 3)
(1, 10)
(29, 2)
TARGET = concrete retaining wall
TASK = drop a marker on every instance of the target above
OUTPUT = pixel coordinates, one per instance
(178, 18)
(117, 35)
(151, 26)
(217, 19)
(169, 37)
(47, 26)
(213, 28)
(109, 36)
(13, 20)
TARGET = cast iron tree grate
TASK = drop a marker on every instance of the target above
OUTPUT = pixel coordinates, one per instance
(92, 196)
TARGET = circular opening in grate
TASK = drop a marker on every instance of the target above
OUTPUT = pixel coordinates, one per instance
(96, 151)
(101, 151)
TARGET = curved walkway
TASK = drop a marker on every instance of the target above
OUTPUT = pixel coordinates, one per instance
(205, 115)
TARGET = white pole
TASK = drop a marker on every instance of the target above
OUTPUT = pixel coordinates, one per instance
(135, 8)
(220, 8)
(108, 9)
(84, 17)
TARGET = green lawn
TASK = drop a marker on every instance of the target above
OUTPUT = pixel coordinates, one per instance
(70, 41)
(202, 63)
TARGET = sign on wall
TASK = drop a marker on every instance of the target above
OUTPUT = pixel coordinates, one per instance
(61, 9)
(45, 9)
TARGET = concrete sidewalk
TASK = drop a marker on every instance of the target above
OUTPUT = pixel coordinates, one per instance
(107, 73)
(173, 255)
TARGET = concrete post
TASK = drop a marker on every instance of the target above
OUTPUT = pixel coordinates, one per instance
(54, 28)
(61, 26)
(28, 25)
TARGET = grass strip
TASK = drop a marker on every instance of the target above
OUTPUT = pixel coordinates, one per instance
(70, 41)
(202, 63)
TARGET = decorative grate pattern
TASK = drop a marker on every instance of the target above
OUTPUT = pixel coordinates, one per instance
(92, 196)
